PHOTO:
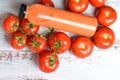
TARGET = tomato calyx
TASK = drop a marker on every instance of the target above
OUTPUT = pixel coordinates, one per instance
(57, 44)
(16, 25)
(19, 39)
(52, 59)
(29, 25)
(35, 44)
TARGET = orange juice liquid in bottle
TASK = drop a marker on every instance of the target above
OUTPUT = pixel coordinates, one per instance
(59, 19)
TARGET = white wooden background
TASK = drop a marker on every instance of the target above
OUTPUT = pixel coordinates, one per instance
(21, 65)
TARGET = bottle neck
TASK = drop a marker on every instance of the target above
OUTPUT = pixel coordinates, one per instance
(22, 11)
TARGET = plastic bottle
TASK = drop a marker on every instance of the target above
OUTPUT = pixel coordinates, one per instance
(59, 19)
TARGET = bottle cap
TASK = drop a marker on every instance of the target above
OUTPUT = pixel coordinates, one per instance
(22, 11)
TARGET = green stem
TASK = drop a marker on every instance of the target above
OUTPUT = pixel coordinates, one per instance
(49, 31)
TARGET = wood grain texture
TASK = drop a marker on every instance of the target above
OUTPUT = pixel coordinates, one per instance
(21, 65)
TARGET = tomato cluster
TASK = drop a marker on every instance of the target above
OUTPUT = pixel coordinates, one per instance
(105, 15)
(24, 33)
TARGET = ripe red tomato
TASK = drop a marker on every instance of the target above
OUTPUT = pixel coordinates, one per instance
(28, 27)
(48, 61)
(36, 43)
(18, 40)
(82, 47)
(77, 5)
(106, 15)
(59, 42)
(46, 2)
(97, 3)
(104, 38)
(11, 24)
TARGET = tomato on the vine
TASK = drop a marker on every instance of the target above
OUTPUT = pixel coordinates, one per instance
(18, 40)
(36, 43)
(47, 61)
(59, 42)
(47, 3)
(106, 15)
(28, 27)
(104, 38)
(82, 47)
(97, 3)
(11, 24)
(77, 5)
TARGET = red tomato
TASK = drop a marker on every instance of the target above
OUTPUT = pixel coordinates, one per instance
(18, 40)
(46, 2)
(11, 24)
(106, 15)
(28, 27)
(48, 61)
(59, 42)
(97, 3)
(104, 38)
(36, 43)
(77, 5)
(82, 47)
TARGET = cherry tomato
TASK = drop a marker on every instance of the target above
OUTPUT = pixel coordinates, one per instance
(48, 61)
(28, 27)
(82, 47)
(106, 15)
(18, 40)
(36, 43)
(77, 5)
(11, 24)
(59, 42)
(104, 38)
(97, 3)
(46, 2)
